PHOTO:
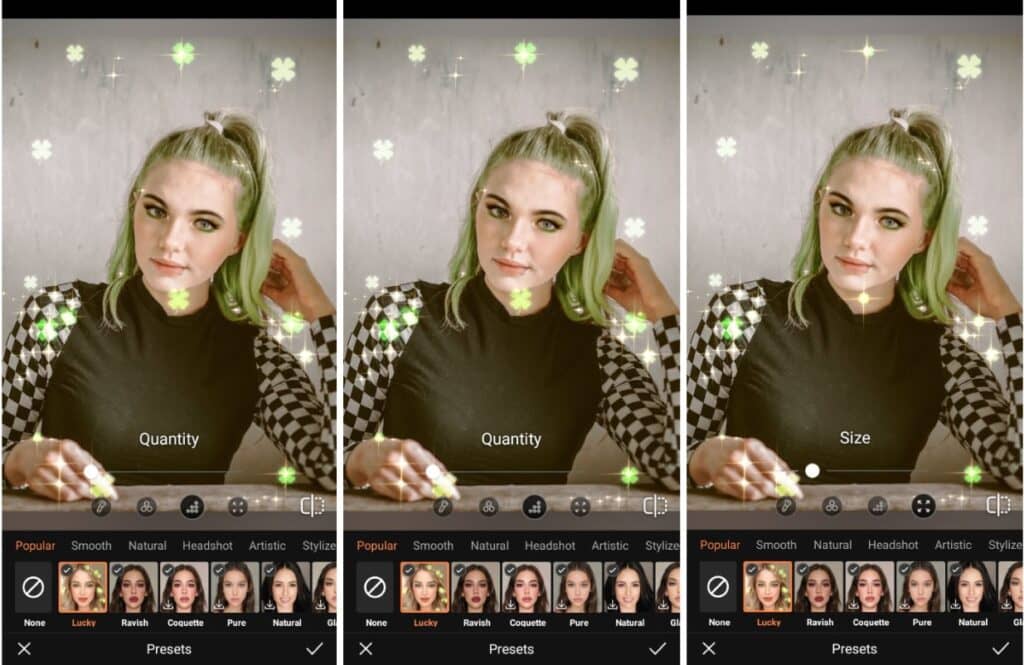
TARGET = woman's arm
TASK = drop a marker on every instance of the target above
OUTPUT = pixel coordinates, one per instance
(976, 410)
(633, 412)
(299, 422)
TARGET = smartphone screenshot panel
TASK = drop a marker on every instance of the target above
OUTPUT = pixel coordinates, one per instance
(511, 377)
(169, 381)
(853, 375)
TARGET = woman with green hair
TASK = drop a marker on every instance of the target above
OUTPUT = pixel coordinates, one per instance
(500, 373)
(159, 372)
(843, 372)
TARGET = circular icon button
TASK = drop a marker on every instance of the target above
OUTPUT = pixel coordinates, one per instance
(717, 586)
(832, 505)
(238, 506)
(33, 587)
(374, 587)
(580, 506)
(192, 507)
(878, 506)
(146, 506)
(443, 507)
(489, 506)
(535, 506)
(101, 507)
(923, 505)
(785, 506)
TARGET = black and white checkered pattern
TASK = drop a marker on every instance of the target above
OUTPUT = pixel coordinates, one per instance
(369, 362)
(631, 410)
(975, 409)
(28, 361)
(290, 412)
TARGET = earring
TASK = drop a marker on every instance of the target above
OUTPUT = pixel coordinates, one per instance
(574, 303)
(229, 297)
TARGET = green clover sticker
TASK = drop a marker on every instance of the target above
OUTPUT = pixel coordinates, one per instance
(625, 69)
(970, 66)
(525, 53)
(282, 69)
(519, 299)
(183, 53)
(47, 331)
(636, 322)
(286, 475)
(417, 53)
(629, 475)
(731, 328)
(292, 322)
(409, 316)
(388, 330)
(972, 474)
(177, 299)
(67, 317)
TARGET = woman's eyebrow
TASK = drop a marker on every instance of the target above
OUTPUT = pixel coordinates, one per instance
(552, 213)
(194, 212)
(849, 201)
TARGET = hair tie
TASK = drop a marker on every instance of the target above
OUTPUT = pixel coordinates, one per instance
(216, 125)
(552, 120)
(897, 116)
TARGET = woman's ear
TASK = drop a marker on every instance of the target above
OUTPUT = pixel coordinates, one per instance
(240, 244)
(925, 242)
(582, 245)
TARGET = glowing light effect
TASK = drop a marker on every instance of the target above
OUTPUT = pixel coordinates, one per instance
(625, 69)
(648, 357)
(183, 53)
(409, 316)
(388, 330)
(636, 322)
(863, 298)
(868, 51)
(977, 226)
(74, 52)
(992, 355)
(305, 356)
(732, 328)
(291, 227)
(31, 282)
(46, 331)
(629, 475)
(520, 299)
(282, 69)
(759, 50)
(525, 53)
(970, 66)
(715, 280)
(286, 475)
(67, 317)
(383, 149)
(726, 147)
(634, 227)
(978, 321)
(812, 470)
(417, 53)
(372, 282)
(42, 149)
(177, 299)
(972, 474)
(292, 322)
(379, 437)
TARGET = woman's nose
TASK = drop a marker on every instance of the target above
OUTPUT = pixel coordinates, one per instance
(516, 235)
(858, 235)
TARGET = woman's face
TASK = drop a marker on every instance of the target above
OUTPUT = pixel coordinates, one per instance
(672, 589)
(475, 590)
(627, 590)
(971, 589)
(819, 590)
(527, 226)
(330, 590)
(1017, 590)
(577, 589)
(526, 589)
(922, 586)
(424, 589)
(133, 590)
(768, 588)
(235, 588)
(869, 591)
(83, 590)
(185, 225)
(284, 589)
(871, 223)
(185, 589)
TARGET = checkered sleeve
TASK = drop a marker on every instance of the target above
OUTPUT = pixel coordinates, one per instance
(380, 335)
(300, 422)
(976, 409)
(720, 340)
(42, 328)
(633, 412)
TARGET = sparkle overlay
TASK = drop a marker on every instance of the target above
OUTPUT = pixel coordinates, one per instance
(292, 322)
(520, 299)
(372, 282)
(282, 69)
(868, 51)
(41, 149)
(183, 53)
(383, 149)
(74, 52)
(726, 147)
(636, 322)
(759, 50)
(629, 475)
(634, 227)
(291, 227)
(286, 475)
(969, 66)
(625, 70)
(177, 299)
(977, 226)
(417, 53)
(972, 474)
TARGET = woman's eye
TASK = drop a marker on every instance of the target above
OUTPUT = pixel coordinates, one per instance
(497, 211)
(205, 225)
(156, 212)
(891, 223)
(547, 225)
(839, 209)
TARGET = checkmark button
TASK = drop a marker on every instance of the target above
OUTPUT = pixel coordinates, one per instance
(312, 652)
(1000, 650)
(655, 652)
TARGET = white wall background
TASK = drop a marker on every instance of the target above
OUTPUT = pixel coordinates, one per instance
(403, 213)
(745, 212)
(61, 214)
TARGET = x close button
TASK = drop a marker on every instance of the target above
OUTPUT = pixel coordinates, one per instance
(23, 649)
(708, 649)
(364, 649)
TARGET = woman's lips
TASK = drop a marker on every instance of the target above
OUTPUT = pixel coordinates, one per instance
(511, 267)
(168, 268)
(853, 265)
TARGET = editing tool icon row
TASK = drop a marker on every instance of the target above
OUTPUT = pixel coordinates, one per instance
(535, 506)
(193, 507)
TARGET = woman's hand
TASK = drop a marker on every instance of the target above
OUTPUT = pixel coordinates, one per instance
(395, 468)
(42, 464)
(976, 282)
(727, 461)
(634, 284)
(292, 286)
